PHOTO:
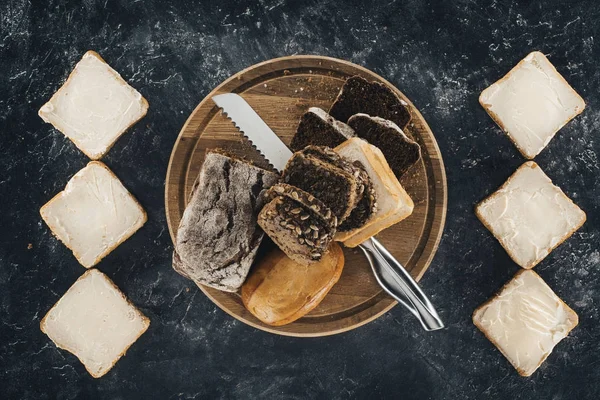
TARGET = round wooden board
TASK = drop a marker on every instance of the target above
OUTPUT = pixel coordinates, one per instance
(281, 90)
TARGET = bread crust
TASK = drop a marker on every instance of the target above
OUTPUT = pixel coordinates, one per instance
(572, 316)
(376, 224)
(530, 265)
(119, 78)
(496, 118)
(146, 323)
(262, 270)
(52, 226)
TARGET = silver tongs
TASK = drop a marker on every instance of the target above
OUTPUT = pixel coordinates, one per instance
(390, 274)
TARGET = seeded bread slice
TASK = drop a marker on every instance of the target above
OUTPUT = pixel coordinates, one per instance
(296, 222)
(316, 127)
(400, 152)
(361, 96)
(332, 185)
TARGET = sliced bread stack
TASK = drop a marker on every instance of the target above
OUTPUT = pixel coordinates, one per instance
(348, 194)
(368, 110)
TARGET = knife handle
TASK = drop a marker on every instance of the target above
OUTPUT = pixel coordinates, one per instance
(398, 283)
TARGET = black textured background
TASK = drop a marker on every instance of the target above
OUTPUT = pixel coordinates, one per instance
(441, 54)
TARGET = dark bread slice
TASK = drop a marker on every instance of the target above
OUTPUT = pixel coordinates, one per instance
(218, 237)
(400, 152)
(316, 127)
(296, 222)
(361, 96)
(366, 204)
(332, 185)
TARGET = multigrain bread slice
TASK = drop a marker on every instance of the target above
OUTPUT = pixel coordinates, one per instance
(529, 215)
(218, 236)
(94, 321)
(361, 96)
(400, 152)
(301, 225)
(334, 186)
(525, 320)
(94, 214)
(94, 107)
(531, 103)
(318, 128)
(393, 203)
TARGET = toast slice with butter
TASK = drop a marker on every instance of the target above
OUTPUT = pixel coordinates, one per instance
(94, 321)
(529, 215)
(525, 320)
(94, 214)
(94, 107)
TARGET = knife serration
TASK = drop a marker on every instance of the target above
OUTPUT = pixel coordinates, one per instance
(251, 125)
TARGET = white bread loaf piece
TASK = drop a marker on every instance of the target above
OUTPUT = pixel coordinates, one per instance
(94, 214)
(393, 203)
(525, 320)
(529, 215)
(94, 107)
(94, 321)
(531, 103)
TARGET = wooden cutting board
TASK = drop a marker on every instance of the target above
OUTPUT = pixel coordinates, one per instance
(281, 90)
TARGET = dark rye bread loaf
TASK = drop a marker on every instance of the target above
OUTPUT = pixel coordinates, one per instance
(400, 152)
(301, 225)
(366, 204)
(218, 235)
(332, 185)
(316, 127)
(361, 96)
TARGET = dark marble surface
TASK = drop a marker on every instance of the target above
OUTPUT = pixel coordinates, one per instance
(440, 53)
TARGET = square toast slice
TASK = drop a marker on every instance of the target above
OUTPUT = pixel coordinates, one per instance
(94, 107)
(529, 215)
(94, 321)
(525, 320)
(531, 103)
(94, 214)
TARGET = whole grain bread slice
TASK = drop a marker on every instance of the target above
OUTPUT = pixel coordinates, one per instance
(367, 203)
(318, 128)
(336, 187)
(361, 96)
(400, 152)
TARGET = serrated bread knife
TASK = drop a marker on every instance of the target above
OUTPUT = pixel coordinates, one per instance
(390, 274)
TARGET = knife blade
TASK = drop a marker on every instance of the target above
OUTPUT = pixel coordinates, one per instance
(251, 125)
(390, 274)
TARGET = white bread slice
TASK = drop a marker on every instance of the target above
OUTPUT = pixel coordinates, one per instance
(529, 215)
(531, 103)
(393, 203)
(94, 321)
(94, 214)
(94, 107)
(525, 320)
